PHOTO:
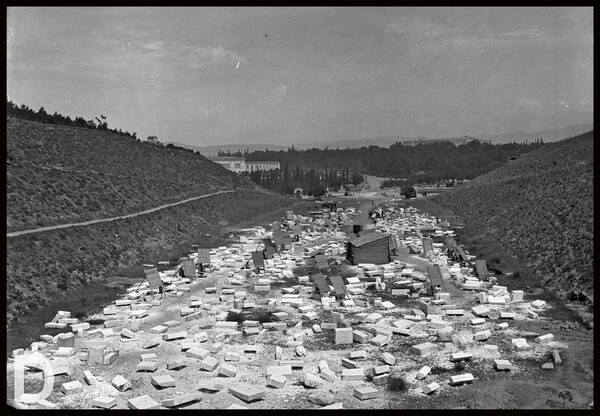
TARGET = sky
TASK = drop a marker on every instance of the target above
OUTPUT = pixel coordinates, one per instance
(207, 76)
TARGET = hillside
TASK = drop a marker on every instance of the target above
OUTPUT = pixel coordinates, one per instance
(59, 175)
(540, 209)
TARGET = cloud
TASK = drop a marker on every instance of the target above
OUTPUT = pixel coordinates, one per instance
(527, 102)
(196, 57)
(276, 95)
(153, 46)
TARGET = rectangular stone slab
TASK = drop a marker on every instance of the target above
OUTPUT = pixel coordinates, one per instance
(144, 402)
(247, 392)
(178, 400)
(104, 402)
(353, 374)
(461, 379)
(364, 393)
(424, 348)
(209, 385)
(163, 381)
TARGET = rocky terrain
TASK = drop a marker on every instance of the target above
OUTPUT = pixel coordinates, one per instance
(539, 207)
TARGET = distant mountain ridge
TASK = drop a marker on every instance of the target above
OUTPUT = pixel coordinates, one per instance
(550, 135)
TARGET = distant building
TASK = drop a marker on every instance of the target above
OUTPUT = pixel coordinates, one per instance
(239, 164)
(456, 142)
(152, 139)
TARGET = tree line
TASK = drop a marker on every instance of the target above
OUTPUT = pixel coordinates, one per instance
(41, 116)
(426, 162)
(313, 182)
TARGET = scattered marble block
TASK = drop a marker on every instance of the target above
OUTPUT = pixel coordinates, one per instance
(424, 348)
(247, 392)
(388, 358)
(72, 387)
(538, 304)
(227, 370)
(321, 398)
(163, 381)
(477, 321)
(209, 364)
(360, 336)
(556, 357)
(198, 353)
(461, 379)
(423, 372)
(507, 315)
(503, 325)
(151, 343)
(547, 366)
(381, 369)
(120, 383)
(174, 335)
(430, 388)
(343, 336)
(178, 400)
(460, 356)
(159, 329)
(480, 310)
(209, 386)
(517, 295)
(89, 378)
(104, 402)
(482, 335)
(372, 318)
(364, 393)
(542, 339)
(176, 363)
(144, 402)
(349, 363)
(172, 324)
(312, 381)
(455, 312)
(64, 352)
(502, 365)
(150, 366)
(328, 375)
(353, 374)
(520, 343)
(316, 329)
(532, 315)
(282, 370)
(277, 381)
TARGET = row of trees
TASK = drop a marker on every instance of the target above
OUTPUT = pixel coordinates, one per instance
(41, 116)
(428, 162)
(313, 182)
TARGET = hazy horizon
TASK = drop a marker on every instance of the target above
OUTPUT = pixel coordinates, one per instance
(208, 76)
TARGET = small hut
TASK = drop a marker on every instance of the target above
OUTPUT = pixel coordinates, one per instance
(375, 248)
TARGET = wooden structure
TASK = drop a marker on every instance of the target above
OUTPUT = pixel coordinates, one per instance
(321, 286)
(375, 248)
(435, 278)
(482, 271)
(338, 286)
(427, 247)
(189, 268)
(154, 281)
(257, 259)
(455, 252)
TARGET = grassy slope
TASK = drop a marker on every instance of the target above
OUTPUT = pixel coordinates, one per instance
(540, 209)
(61, 174)
(40, 267)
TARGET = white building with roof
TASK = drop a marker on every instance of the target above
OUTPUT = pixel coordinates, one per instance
(239, 164)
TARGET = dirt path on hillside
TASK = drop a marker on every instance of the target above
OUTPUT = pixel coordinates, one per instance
(122, 217)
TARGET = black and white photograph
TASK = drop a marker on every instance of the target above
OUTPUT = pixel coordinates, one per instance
(262, 207)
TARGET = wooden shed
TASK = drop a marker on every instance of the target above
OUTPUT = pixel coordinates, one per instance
(371, 248)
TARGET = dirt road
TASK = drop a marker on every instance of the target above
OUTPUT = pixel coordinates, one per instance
(135, 214)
